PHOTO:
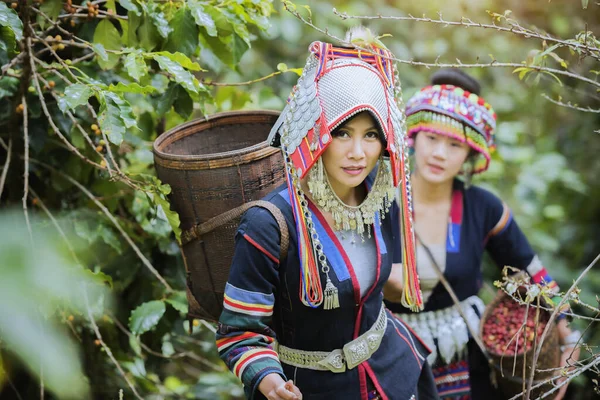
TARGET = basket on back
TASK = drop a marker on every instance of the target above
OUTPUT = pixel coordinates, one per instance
(214, 167)
(503, 320)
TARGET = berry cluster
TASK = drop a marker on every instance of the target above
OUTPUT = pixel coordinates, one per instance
(503, 323)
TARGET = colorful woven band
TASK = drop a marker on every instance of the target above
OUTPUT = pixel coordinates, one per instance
(452, 111)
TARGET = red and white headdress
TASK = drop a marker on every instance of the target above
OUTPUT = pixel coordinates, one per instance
(336, 84)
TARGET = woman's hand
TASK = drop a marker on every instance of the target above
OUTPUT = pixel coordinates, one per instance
(570, 353)
(392, 290)
(273, 387)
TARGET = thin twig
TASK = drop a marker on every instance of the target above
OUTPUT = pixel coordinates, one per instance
(65, 42)
(104, 346)
(568, 379)
(537, 352)
(264, 78)
(79, 127)
(60, 60)
(7, 376)
(515, 29)
(55, 128)
(6, 166)
(571, 106)
(112, 218)
(26, 161)
(83, 58)
(188, 354)
(99, 16)
(12, 63)
(493, 64)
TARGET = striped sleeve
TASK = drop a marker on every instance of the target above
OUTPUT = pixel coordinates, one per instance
(507, 244)
(245, 335)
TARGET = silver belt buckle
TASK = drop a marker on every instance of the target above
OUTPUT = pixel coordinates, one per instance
(356, 352)
(334, 361)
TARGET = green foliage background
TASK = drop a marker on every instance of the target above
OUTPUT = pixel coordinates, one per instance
(154, 70)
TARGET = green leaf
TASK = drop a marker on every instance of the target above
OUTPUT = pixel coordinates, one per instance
(110, 5)
(99, 277)
(181, 76)
(130, 6)
(184, 105)
(108, 36)
(8, 44)
(134, 342)
(110, 238)
(148, 34)
(75, 95)
(562, 62)
(127, 114)
(8, 86)
(282, 67)
(238, 47)
(146, 316)
(100, 51)
(131, 88)
(110, 122)
(584, 4)
(161, 23)
(180, 58)
(10, 19)
(167, 99)
(178, 300)
(203, 18)
(184, 37)
(172, 216)
(52, 9)
(554, 76)
(136, 65)
(134, 22)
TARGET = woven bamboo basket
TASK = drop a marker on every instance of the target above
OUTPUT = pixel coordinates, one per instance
(214, 165)
(503, 364)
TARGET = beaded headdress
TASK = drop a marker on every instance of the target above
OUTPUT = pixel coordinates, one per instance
(336, 84)
(452, 111)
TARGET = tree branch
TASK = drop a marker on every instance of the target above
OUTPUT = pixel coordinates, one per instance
(571, 106)
(6, 166)
(459, 64)
(515, 29)
(105, 347)
(556, 311)
(112, 219)
(26, 161)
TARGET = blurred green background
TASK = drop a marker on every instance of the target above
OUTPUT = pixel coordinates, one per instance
(546, 168)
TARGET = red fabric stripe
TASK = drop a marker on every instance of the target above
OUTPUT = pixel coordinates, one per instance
(537, 278)
(236, 338)
(412, 331)
(315, 210)
(247, 360)
(262, 249)
(262, 310)
(409, 346)
(456, 210)
(375, 381)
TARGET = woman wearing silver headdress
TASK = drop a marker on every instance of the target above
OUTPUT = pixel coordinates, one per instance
(312, 325)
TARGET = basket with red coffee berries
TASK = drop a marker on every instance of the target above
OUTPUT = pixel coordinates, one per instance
(511, 331)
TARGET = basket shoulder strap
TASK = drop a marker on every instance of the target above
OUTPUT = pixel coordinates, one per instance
(284, 234)
(198, 230)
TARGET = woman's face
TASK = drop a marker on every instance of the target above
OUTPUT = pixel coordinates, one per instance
(353, 152)
(439, 158)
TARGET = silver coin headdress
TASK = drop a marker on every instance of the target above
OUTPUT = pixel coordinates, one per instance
(336, 84)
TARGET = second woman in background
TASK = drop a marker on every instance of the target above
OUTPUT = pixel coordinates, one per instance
(452, 131)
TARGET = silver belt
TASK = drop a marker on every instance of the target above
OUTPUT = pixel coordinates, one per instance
(352, 354)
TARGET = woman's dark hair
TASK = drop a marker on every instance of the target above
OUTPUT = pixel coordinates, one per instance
(456, 77)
